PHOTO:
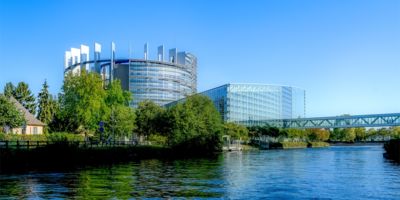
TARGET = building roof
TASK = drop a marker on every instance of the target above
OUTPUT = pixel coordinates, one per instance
(29, 117)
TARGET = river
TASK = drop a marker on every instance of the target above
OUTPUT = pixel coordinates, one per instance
(338, 172)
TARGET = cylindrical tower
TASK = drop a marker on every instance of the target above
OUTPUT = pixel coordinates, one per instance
(157, 80)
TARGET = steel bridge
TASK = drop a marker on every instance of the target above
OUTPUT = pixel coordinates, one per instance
(372, 120)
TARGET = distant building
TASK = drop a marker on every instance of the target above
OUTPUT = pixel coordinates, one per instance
(250, 103)
(161, 81)
(32, 125)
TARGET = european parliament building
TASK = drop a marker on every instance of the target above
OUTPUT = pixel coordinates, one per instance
(167, 81)
(250, 104)
(161, 80)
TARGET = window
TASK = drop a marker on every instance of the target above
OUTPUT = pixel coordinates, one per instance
(35, 130)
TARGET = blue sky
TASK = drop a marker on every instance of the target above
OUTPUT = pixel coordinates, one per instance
(344, 53)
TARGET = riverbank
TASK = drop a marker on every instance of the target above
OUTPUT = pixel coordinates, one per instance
(57, 156)
(289, 145)
(355, 143)
(392, 148)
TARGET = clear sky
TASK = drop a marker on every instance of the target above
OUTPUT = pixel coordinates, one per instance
(344, 53)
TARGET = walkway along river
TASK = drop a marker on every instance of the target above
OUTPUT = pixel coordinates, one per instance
(337, 172)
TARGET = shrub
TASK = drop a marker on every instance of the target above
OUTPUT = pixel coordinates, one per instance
(287, 145)
(316, 134)
(157, 139)
(319, 144)
(53, 137)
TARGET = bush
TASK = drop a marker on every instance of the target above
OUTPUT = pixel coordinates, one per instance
(64, 137)
(316, 134)
(21, 137)
(287, 145)
(52, 137)
(196, 126)
(2, 136)
(236, 131)
(156, 139)
(319, 144)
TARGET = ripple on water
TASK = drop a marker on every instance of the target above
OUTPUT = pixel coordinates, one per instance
(340, 172)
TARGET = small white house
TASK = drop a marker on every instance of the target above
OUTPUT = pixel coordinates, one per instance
(32, 125)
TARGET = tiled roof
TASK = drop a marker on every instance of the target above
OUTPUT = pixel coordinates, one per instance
(29, 117)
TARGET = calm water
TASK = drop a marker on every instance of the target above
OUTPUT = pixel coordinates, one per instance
(356, 172)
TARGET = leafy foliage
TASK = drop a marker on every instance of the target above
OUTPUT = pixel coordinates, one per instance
(266, 131)
(116, 96)
(343, 134)
(361, 134)
(317, 134)
(297, 133)
(236, 131)
(24, 96)
(83, 105)
(156, 139)
(9, 89)
(47, 106)
(196, 125)
(10, 116)
(120, 120)
(150, 118)
(52, 137)
(349, 134)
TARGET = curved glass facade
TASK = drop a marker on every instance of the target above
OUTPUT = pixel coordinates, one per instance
(250, 103)
(160, 82)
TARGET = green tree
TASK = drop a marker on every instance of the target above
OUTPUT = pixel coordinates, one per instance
(348, 134)
(296, 133)
(269, 131)
(395, 132)
(371, 134)
(336, 135)
(10, 116)
(148, 118)
(116, 96)
(45, 105)
(383, 133)
(83, 101)
(236, 131)
(24, 96)
(361, 134)
(59, 123)
(196, 126)
(254, 131)
(317, 134)
(121, 120)
(9, 89)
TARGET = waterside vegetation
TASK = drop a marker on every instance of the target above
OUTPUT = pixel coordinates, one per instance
(88, 110)
(101, 114)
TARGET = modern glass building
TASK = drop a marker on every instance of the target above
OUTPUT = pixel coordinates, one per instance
(160, 82)
(157, 80)
(250, 104)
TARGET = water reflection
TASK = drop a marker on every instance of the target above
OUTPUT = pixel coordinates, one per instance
(336, 173)
(147, 178)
